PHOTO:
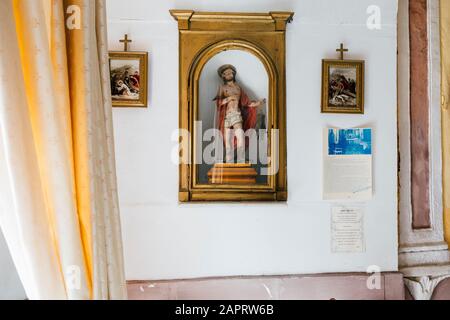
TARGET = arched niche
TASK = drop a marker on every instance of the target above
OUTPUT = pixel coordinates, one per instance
(255, 76)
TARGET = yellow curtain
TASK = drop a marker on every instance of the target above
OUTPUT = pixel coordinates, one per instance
(58, 195)
(445, 54)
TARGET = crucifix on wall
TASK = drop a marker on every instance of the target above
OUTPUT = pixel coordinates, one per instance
(125, 42)
(342, 50)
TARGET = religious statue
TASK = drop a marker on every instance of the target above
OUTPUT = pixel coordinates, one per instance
(236, 113)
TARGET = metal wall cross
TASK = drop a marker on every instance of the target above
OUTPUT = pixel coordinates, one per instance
(125, 42)
(342, 50)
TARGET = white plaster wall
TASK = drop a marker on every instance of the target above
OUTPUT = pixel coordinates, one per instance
(10, 285)
(166, 240)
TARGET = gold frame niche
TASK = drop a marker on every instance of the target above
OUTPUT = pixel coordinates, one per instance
(203, 35)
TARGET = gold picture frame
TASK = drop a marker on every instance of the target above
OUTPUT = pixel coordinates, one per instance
(343, 86)
(131, 93)
(202, 36)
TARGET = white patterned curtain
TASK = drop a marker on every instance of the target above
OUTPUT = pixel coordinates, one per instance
(58, 192)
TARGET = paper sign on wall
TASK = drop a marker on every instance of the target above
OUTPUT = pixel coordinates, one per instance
(347, 230)
(348, 164)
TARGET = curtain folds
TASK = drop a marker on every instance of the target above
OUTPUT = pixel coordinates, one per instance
(58, 195)
(445, 59)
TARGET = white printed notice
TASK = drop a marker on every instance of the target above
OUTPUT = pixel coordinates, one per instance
(347, 164)
(347, 230)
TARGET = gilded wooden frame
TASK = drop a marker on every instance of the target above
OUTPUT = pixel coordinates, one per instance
(360, 66)
(143, 66)
(203, 35)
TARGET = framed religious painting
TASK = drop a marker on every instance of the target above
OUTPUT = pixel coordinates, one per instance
(343, 86)
(232, 106)
(128, 78)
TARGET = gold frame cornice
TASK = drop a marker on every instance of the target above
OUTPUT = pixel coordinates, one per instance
(205, 34)
(201, 21)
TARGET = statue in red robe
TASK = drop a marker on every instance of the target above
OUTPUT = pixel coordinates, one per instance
(236, 114)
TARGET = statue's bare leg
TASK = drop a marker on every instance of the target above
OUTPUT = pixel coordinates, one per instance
(229, 145)
(240, 140)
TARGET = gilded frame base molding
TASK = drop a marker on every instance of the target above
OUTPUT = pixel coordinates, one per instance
(201, 36)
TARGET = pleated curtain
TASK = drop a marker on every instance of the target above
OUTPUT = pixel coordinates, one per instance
(58, 191)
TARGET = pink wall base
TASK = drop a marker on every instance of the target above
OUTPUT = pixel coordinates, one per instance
(314, 287)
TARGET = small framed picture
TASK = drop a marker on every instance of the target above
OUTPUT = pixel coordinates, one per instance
(343, 86)
(128, 78)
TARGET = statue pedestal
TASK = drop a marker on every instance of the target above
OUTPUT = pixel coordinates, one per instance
(232, 173)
